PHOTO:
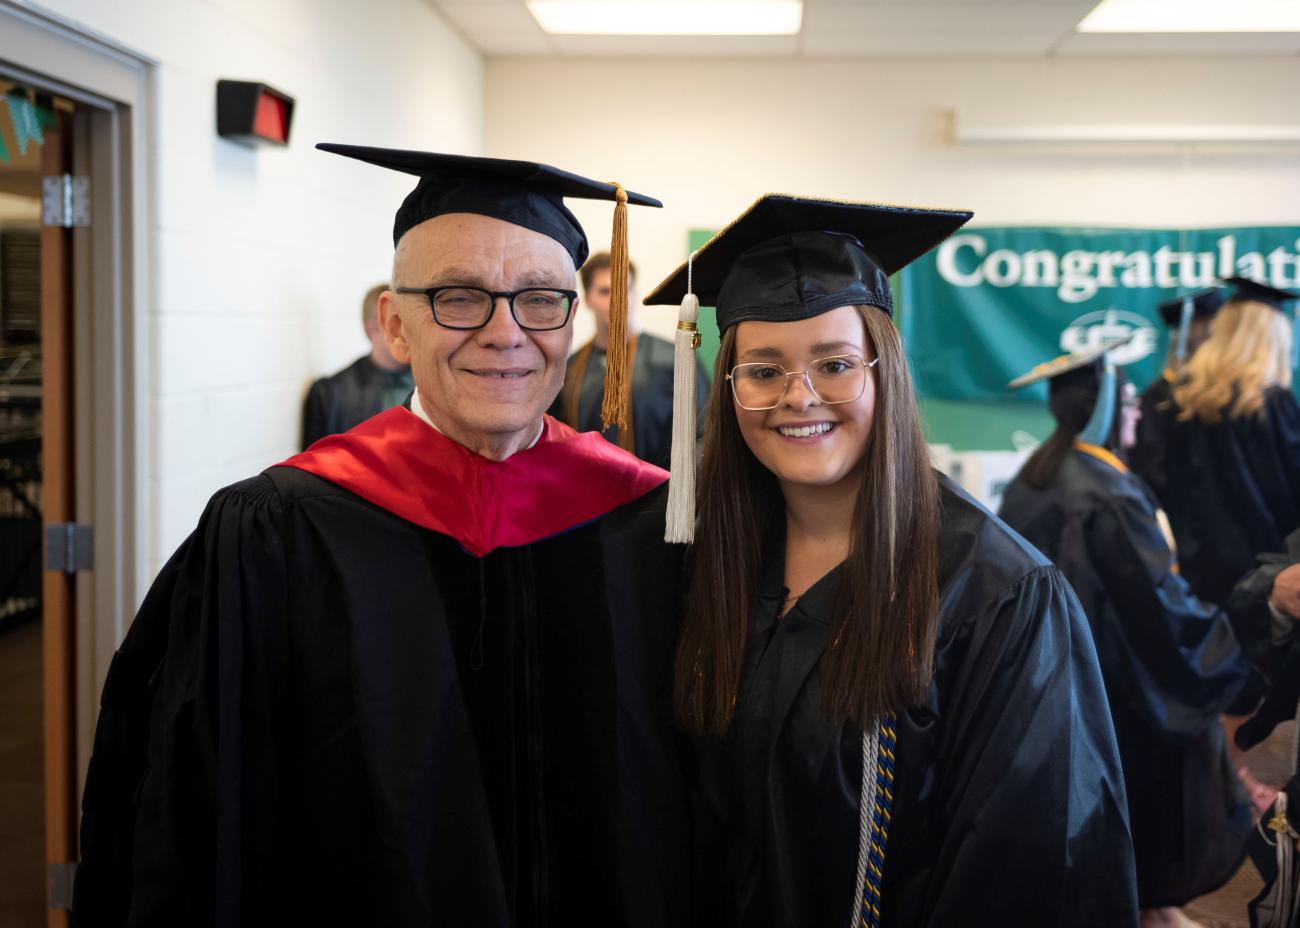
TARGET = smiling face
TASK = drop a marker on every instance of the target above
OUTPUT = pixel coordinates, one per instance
(804, 441)
(485, 388)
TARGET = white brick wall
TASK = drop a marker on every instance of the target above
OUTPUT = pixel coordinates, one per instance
(261, 256)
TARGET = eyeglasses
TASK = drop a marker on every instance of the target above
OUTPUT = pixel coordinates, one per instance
(840, 379)
(471, 307)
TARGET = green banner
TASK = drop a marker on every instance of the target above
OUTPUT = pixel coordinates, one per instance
(988, 304)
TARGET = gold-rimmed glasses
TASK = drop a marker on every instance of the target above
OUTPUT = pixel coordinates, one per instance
(762, 385)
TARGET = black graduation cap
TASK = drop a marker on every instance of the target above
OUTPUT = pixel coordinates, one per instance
(1247, 289)
(526, 194)
(1205, 303)
(790, 257)
(785, 258)
(520, 192)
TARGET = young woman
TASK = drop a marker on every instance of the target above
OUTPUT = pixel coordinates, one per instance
(896, 701)
(1232, 471)
(1170, 661)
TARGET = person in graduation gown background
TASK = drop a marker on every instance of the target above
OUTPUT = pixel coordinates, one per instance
(1188, 321)
(1232, 469)
(373, 687)
(1170, 661)
(649, 435)
(1265, 612)
(895, 701)
(364, 388)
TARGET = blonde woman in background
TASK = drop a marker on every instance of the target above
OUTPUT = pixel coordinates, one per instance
(1232, 481)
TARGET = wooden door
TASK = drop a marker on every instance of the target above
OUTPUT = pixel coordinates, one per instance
(58, 651)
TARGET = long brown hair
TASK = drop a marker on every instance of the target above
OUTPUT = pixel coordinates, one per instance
(886, 607)
(1072, 397)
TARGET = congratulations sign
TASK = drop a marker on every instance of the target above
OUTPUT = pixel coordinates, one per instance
(988, 304)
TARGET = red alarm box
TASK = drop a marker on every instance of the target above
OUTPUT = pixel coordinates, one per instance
(251, 112)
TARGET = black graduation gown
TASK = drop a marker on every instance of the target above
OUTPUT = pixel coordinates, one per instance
(1149, 455)
(652, 399)
(1008, 801)
(1272, 647)
(336, 403)
(325, 714)
(1233, 491)
(1171, 666)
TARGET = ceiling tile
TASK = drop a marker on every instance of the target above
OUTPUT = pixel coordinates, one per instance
(997, 19)
(1238, 43)
(600, 46)
(480, 19)
(515, 44)
(955, 46)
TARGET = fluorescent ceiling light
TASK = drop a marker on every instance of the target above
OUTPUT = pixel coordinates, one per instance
(1193, 16)
(668, 17)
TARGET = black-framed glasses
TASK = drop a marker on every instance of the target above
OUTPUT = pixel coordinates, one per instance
(762, 385)
(535, 309)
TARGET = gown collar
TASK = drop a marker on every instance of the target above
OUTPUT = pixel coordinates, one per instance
(1104, 455)
(817, 602)
(397, 462)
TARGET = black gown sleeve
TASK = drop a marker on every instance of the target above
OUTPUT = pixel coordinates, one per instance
(180, 801)
(1284, 420)
(315, 414)
(1275, 657)
(1248, 609)
(1181, 665)
(1027, 738)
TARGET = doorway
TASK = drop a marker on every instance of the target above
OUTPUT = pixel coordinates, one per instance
(73, 388)
(37, 606)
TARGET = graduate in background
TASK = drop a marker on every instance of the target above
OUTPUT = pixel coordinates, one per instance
(1265, 612)
(1188, 319)
(1232, 470)
(895, 700)
(1170, 661)
(418, 674)
(364, 388)
(650, 431)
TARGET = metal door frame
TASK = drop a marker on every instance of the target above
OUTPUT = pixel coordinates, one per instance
(112, 276)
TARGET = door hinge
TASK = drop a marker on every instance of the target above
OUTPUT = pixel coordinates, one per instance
(65, 201)
(69, 547)
(59, 885)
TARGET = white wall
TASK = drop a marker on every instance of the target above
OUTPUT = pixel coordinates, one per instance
(709, 137)
(261, 255)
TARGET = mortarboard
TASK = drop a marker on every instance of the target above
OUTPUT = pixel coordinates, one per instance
(1096, 356)
(1204, 303)
(1247, 289)
(785, 258)
(526, 194)
(1179, 313)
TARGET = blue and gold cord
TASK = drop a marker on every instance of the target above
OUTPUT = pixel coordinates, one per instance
(884, 804)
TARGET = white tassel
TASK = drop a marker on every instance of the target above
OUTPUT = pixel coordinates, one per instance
(680, 526)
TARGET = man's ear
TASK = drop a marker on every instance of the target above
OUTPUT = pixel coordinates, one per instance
(390, 323)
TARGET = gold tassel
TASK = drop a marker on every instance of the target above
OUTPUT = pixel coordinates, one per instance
(618, 379)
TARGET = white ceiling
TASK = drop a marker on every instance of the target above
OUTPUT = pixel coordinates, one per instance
(868, 28)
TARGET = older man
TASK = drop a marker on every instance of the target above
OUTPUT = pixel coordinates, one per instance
(417, 675)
